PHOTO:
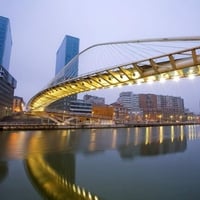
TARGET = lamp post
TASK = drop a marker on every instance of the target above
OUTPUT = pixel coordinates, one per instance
(6, 111)
(160, 118)
(171, 117)
(146, 118)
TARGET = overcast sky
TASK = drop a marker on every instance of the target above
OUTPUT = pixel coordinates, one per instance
(39, 26)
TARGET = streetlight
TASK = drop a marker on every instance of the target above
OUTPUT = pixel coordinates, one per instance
(160, 117)
(146, 116)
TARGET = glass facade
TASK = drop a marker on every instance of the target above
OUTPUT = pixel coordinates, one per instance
(5, 42)
(7, 82)
(80, 106)
(66, 68)
(7, 86)
(69, 49)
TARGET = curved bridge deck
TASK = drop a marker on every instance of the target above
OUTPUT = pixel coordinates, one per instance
(171, 65)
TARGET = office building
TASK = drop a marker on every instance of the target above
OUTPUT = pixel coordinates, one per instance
(161, 107)
(171, 107)
(5, 42)
(94, 100)
(152, 107)
(125, 99)
(129, 101)
(7, 82)
(80, 106)
(68, 49)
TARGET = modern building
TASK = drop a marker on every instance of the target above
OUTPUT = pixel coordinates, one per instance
(94, 100)
(129, 101)
(80, 106)
(152, 107)
(7, 87)
(160, 107)
(5, 42)
(171, 107)
(125, 98)
(68, 49)
(7, 81)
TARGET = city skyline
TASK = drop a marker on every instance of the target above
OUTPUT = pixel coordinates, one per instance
(39, 27)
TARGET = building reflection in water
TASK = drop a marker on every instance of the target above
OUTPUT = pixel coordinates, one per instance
(194, 133)
(156, 142)
(53, 168)
(3, 170)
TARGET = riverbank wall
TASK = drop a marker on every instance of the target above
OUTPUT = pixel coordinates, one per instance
(8, 126)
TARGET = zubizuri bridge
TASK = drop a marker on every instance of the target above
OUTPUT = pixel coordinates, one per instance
(114, 64)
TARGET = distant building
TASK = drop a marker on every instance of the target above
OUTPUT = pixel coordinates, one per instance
(129, 101)
(170, 105)
(152, 107)
(103, 111)
(160, 107)
(120, 112)
(68, 49)
(18, 104)
(125, 99)
(80, 106)
(7, 82)
(94, 100)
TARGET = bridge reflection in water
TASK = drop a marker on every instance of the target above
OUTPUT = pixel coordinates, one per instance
(51, 163)
(53, 185)
(54, 174)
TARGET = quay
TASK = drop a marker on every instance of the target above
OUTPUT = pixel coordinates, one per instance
(27, 126)
(8, 126)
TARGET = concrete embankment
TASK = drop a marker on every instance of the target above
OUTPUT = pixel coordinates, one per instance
(27, 126)
(8, 126)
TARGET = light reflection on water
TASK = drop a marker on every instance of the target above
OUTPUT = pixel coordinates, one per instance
(104, 163)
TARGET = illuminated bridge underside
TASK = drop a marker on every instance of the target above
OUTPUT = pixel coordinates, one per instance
(173, 65)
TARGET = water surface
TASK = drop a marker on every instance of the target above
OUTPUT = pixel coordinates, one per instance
(109, 164)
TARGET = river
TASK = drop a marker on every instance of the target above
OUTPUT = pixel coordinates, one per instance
(109, 164)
